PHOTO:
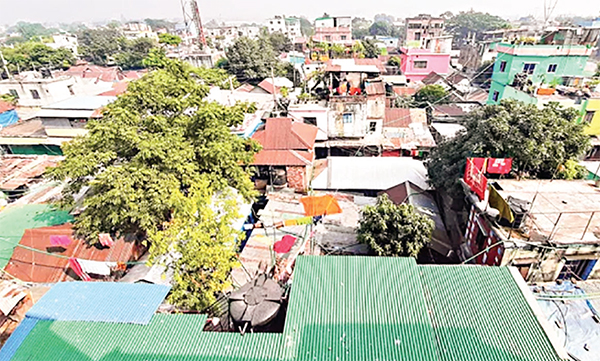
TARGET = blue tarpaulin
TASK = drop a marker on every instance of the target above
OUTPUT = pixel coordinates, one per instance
(100, 302)
(8, 117)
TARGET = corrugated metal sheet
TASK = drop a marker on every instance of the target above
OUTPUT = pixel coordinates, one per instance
(10, 295)
(358, 308)
(100, 302)
(480, 314)
(19, 170)
(166, 337)
(16, 338)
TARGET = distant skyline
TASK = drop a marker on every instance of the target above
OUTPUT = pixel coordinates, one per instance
(67, 11)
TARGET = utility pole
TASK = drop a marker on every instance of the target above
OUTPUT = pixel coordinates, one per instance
(274, 89)
(4, 65)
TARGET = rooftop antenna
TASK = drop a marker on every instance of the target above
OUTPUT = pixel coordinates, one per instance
(548, 10)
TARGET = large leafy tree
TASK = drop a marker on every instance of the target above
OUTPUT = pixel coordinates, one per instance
(169, 39)
(380, 28)
(280, 42)
(251, 60)
(33, 55)
(540, 141)
(133, 52)
(99, 45)
(153, 145)
(30, 31)
(394, 230)
(468, 22)
(430, 94)
(371, 49)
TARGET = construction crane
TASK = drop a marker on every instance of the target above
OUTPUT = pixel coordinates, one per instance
(191, 17)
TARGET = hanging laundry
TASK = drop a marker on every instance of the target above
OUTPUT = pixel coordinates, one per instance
(96, 267)
(499, 165)
(74, 264)
(285, 244)
(106, 240)
(320, 205)
(297, 221)
(496, 201)
(60, 240)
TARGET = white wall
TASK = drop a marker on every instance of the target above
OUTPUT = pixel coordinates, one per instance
(49, 90)
(312, 111)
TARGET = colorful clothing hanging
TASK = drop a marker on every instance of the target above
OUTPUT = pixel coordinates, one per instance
(106, 240)
(60, 240)
(320, 205)
(74, 264)
(285, 244)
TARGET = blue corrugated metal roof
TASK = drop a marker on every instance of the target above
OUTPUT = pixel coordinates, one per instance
(100, 302)
(16, 338)
(9, 117)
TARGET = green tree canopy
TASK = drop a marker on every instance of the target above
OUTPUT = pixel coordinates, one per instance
(371, 49)
(33, 55)
(280, 42)
(132, 52)
(467, 22)
(156, 24)
(540, 141)
(430, 94)
(169, 39)
(306, 27)
(380, 28)
(251, 60)
(152, 146)
(31, 31)
(394, 230)
(108, 46)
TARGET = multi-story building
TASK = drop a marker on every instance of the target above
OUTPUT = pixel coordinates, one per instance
(66, 40)
(136, 30)
(330, 29)
(422, 28)
(416, 64)
(521, 70)
(290, 27)
(224, 36)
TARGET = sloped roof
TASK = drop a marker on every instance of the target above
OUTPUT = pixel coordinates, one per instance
(268, 87)
(285, 133)
(448, 110)
(117, 89)
(28, 128)
(404, 91)
(40, 267)
(432, 78)
(350, 308)
(397, 117)
(283, 157)
(19, 170)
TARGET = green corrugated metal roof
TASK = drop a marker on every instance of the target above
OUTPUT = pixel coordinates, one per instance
(358, 308)
(15, 220)
(166, 337)
(479, 313)
(342, 309)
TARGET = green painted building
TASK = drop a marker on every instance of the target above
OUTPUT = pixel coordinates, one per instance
(536, 65)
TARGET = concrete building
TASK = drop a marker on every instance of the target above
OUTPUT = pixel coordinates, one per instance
(224, 36)
(136, 30)
(333, 30)
(422, 28)
(33, 90)
(520, 70)
(416, 64)
(67, 41)
(290, 27)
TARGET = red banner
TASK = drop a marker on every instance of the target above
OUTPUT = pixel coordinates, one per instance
(474, 176)
(499, 165)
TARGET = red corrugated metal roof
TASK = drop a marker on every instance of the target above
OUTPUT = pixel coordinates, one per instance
(397, 118)
(245, 88)
(375, 88)
(5, 106)
(117, 89)
(19, 170)
(404, 91)
(284, 133)
(31, 266)
(283, 157)
(268, 87)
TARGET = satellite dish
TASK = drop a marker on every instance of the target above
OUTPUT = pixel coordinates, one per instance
(257, 302)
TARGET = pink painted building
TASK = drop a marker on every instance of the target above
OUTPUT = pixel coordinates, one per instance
(333, 30)
(418, 63)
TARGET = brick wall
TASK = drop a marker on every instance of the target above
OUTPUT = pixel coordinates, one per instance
(296, 178)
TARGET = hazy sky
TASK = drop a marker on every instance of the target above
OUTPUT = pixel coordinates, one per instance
(12, 11)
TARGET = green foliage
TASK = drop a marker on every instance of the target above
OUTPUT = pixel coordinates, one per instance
(389, 19)
(430, 94)
(538, 140)
(280, 43)
(156, 59)
(465, 22)
(9, 98)
(394, 230)
(394, 61)
(371, 49)
(31, 31)
(251, 60)
(597, 70)
(105, 46)
(169, 39)
(153, 145)
(380, 28)
(198, 247)
(156, 24)
(338, 50)
(571, 170)
(306, 27)
(360, 28)
(32, 55)
(484, 74)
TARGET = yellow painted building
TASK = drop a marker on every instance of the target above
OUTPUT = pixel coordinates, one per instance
(591, 116)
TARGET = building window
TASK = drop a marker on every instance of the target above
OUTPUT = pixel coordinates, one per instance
(70, 87)
(348, 118)
(372, 127)
(34, 94)
(552, 68)
(14, 93)
(417, 36)
(528, 68)
(421, 64)
(502, 66)
(343, 37)
(310, 120)
(495, 95)
(587, 119)
(579, 269)
(327, 37)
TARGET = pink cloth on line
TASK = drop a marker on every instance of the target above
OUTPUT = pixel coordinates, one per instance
(285, 245)
(106, 240)
(77, 269)
(60, 240)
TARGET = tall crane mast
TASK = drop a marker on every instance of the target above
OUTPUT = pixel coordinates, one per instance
(191, 16)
